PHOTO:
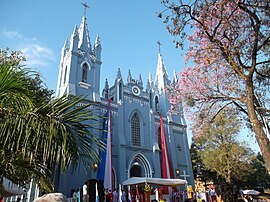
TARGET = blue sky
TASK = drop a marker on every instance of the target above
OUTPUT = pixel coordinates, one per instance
(129, 31)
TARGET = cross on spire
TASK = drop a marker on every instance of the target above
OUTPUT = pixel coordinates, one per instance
(159, 44)
(85, 7)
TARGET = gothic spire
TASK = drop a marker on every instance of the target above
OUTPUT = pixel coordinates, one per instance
(74, 39)
(150, 80)
(140, 82)
(129, 78)
(97, 41)
(162, 78)
(97, 48)
(119, 75)
(106, 89)
(175, 77)
(65, 47)
(66, 44)
(84, 39)
(75, 32)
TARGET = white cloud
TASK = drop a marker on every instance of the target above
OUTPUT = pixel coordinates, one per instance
(36, 54)
(11, 34)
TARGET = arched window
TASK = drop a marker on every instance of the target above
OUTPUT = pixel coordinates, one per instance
(120, 91)
(65, 75)
(150, 100)
(159, 137)
(84, 73)
(156, 104)
(135, 130)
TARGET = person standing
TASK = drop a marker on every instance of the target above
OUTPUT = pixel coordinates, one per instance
(78, 195)
(74, 195)
(111, 195)
(124, 196)
(107, 195)
(85, 194)
(115, 195)
(212, 195)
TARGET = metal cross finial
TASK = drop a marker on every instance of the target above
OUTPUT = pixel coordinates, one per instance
(85, 7)
(159, 44)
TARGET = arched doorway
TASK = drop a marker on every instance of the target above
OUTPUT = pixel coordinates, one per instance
(139, 166)
(135, 171)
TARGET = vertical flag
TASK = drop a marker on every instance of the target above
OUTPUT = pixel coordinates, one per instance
(165, 159)
(129, 194)
(137, 194)
(105, 167)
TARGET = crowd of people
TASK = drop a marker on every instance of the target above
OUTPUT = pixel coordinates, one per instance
(115, 196)
(137, 195)
(81, 195)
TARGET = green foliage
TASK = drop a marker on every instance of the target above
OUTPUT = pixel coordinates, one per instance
(38, 89)
(221, 151)
(38, 133)
(199, 169)
(222, 158)
(260, 179)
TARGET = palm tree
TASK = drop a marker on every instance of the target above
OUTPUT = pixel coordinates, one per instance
(38, 134)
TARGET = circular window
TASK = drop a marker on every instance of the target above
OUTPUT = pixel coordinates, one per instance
(135, 90)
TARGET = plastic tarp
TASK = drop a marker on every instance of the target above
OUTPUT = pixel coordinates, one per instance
(52, 197)
(156, 181)
(9, 188)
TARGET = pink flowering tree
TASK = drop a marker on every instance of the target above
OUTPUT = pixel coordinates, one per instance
(229, 47)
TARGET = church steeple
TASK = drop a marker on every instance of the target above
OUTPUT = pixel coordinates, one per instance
(162, 78)
(79, 71)
(84, 39)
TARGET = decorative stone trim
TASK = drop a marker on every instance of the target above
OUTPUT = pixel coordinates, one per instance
(84, 85)
(106, 104)
(135, 100)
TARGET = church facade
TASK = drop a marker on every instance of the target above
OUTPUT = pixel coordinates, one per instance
(136, 109)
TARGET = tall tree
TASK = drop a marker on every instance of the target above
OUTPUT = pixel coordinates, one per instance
(223, 154)
(199, 170)
(230, 50)
(36, 133)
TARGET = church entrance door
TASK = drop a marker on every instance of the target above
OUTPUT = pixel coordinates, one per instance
(135, 171)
